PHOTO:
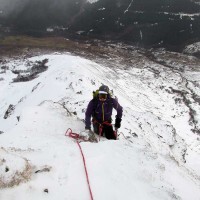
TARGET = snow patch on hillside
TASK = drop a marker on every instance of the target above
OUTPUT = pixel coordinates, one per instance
(92, 1)
(192, 48)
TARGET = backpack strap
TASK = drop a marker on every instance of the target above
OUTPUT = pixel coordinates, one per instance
(95, 102)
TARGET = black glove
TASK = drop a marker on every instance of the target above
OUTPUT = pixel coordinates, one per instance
(118, 122)
(87, 128)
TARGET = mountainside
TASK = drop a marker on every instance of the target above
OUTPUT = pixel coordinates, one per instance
(157, 154)
(171, 23)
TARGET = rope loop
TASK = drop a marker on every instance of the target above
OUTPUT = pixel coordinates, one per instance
(71, 134)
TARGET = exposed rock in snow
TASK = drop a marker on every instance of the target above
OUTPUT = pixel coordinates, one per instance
(31, 72)
(13, 169)
(9, 111)
(192, 48)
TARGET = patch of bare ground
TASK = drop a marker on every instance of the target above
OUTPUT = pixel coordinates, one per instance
(102, 52)
(13, 174)
(29, 46)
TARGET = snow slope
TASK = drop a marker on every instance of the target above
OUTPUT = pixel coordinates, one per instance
(156, 156)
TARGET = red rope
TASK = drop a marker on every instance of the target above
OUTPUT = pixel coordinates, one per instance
(85, 170)
(76, 136)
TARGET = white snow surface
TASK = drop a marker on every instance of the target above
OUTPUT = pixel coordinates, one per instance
(36, 156)
(92, 1)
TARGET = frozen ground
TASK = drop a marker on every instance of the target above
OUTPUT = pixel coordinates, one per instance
(156, 156)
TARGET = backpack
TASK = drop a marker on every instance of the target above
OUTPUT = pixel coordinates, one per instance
(110, 95)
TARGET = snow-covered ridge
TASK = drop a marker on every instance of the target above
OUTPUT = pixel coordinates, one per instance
(92, 1)
(180, 14)
(158, 147)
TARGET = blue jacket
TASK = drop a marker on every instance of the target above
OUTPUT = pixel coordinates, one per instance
(102, 111)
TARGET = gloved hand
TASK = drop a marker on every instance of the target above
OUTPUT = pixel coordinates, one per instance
(89, 135)
(92, 137)
(87, 128)
(118, 122)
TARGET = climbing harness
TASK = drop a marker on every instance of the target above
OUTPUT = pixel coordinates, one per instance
(101, 128)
